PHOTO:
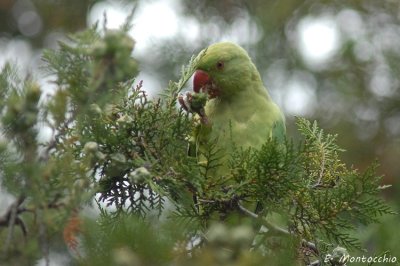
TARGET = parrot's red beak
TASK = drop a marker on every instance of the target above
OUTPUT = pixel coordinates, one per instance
(200, 80)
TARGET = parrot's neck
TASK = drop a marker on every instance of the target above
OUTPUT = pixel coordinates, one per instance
(254, 91)
(240, 107)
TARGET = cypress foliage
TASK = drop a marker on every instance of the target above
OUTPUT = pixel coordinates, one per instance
(114, 145)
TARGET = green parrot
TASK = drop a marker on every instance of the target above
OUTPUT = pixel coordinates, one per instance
(238, 109)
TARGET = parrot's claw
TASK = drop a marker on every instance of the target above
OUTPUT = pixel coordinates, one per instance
(194, 103)
(185, 101)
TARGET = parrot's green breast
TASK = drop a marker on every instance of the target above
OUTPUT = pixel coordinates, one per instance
(247, 122)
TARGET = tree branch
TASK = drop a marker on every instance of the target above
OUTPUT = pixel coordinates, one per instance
(10, 219)
(275, 229)
(315, 263)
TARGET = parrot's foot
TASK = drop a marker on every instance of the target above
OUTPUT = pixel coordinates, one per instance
(194, 103)
(184, 101)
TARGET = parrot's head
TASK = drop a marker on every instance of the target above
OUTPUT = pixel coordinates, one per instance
(223, 71)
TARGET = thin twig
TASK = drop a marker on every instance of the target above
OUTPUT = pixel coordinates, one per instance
(44, 243)
(310, 245)
(315, 263)
(273, 228)
(276, 229)
(61, 131)
(10, 219)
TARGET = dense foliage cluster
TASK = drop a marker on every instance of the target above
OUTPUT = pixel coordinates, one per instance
(115, 146)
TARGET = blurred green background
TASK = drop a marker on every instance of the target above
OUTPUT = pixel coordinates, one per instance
(337, 62)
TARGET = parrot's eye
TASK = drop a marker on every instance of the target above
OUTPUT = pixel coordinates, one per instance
(220, 65)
